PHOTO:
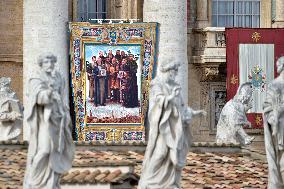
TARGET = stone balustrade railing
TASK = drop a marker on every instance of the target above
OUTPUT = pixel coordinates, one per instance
(209, 45)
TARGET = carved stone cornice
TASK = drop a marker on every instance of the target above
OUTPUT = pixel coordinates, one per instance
(18, 58)
(209, 52)
(220, 40)
(212, 72)
(209, 73)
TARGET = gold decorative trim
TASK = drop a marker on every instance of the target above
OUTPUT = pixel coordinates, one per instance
(258, 120)
(255, 36)
(81, 32)
(234, 79)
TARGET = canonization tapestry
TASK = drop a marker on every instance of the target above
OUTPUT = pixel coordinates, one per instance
(111, 69)
(251, 57)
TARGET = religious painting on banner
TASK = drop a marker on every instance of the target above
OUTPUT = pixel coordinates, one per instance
(111, 69)
(251, 57)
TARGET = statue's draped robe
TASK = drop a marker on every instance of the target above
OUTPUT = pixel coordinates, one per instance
(132, 94)
(9, 104)
(51, 148)
(169, 140)
(274, 133)
(96, 72)
(231, 122)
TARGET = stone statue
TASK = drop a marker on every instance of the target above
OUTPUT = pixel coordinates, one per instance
(274, 128)
(233, 118)
(169, 132)
(10, 112)
(51, 148)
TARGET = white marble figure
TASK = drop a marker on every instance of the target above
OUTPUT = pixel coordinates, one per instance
(10, 112)
(233, 118)
(274, 128)
(169, 132)
(51, 148)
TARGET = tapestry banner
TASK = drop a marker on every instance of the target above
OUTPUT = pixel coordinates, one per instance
(111, 69)
(251, 57)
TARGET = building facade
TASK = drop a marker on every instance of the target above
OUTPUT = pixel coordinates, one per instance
(207, 21)
(29, 23)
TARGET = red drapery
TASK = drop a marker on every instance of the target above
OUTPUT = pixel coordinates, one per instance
(236, 36)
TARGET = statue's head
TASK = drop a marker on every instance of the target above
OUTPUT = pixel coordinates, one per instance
(280, 64)
(47, 61)
(169, 69)
(5, 84)
(245, 94)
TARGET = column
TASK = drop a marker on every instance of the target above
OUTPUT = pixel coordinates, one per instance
(279, 14)
(44, 30)
(173, 38)
(202, 14)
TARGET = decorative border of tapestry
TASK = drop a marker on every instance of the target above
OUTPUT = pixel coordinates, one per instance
(251, 56)
(111, 69)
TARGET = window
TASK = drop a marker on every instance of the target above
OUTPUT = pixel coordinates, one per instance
(91, 9)
(236, 13)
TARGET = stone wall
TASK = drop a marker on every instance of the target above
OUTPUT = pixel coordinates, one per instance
(278, 21)
(11, 43)
(265, 17)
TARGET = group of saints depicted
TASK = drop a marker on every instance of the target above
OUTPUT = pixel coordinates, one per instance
(113, 78)
(51, 148)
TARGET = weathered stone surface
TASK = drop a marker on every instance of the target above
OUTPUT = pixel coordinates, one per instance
(11, 27)
(279, 14)
(11, 113)
(274, 128)
(233, 118)
(51, 148)
(170, 135)
(45, 30)
(173, 39)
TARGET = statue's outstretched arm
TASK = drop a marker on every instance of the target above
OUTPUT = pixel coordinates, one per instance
(44, 97)
(199, 112)
(10, 116)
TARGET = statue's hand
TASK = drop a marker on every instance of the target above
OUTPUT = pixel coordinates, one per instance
(271, 120)
(44, 97)
(199, 112)
(249, 125)
(56, 96)
(175, 92)
(281, 109)
(203, 113)
(15, 115)
(19, 115)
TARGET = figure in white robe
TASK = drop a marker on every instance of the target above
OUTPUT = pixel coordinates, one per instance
(233, 118)
(274, 129)
(51, 148)
(169, 132)
(10, 112)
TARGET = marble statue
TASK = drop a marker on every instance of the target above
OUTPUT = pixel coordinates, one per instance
(10, 112)
(233, 118)
(274, 128)
(51, 148)
(169, 131)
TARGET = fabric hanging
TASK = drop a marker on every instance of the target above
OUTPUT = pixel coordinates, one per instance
(255, 62)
